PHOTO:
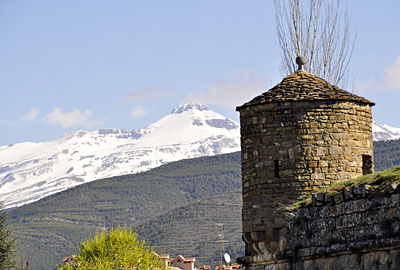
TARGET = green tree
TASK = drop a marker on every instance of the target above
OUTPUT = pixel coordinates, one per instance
(116, 249)
(7, 244)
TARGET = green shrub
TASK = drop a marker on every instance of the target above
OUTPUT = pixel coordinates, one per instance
(116, 249)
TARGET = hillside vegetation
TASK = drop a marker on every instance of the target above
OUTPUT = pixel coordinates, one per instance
(179, 208)
(386, 154)
(53, 227)
(204, 229)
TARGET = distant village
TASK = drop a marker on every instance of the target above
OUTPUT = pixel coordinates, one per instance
(182, 263)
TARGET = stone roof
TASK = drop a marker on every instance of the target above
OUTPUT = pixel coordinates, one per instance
(302, 85)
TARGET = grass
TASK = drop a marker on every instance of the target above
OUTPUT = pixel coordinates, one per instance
(378, 182)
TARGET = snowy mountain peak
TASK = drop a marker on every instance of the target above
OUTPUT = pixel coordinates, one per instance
(383, 132)
(31, 171)
(190, 106)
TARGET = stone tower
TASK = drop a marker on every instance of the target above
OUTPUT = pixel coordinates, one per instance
(301, 134)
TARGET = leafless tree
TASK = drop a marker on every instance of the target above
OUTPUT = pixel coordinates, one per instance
(318, 30)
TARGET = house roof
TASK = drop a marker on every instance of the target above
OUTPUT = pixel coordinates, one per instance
(164, 256)
(204, 267)
(221, 267)
(303, 85)
(228, 267)
(184, 259)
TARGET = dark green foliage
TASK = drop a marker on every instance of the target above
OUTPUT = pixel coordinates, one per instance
(6, 242)
(52, 228)
(200, 229)
(386, 154)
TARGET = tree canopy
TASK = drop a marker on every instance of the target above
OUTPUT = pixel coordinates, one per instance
(7, 244)
(115, 249)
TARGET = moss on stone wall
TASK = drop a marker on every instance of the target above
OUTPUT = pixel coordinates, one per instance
(375, 183)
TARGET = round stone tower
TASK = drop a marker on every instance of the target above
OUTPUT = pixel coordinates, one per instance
(303, 133)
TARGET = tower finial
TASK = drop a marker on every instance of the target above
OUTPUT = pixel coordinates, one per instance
(301, 61)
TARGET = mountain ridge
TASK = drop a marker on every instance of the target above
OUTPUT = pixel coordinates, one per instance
(383, 132)
(193, 195)
(30, 171)
(50, 229)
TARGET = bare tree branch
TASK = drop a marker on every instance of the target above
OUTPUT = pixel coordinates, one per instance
(318, 30)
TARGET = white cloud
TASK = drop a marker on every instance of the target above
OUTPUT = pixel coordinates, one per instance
(138, 112)
(8, 123)
(231, 92)
(141, 94)
(361, 86)
(73, 118)
(392, 76)
(31, 115)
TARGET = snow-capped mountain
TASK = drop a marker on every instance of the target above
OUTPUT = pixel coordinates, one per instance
(384, 132)
(31, 171)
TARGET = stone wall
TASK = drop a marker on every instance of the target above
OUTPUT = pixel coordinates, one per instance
(353, 229)
(288, 148)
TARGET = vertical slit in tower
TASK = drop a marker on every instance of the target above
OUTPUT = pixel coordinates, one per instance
(366, 164)
(276, 168)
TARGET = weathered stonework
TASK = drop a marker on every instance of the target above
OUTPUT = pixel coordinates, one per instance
(354, 229)
(302, 134)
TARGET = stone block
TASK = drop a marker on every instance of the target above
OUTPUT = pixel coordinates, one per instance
(279, 222)
(282, 243)
(262, 247)
(379, 202)
(381, 257)
(394, 259)
(394, 200)
(347, 194)
(314, 200)
(322, 197)
(392, 188)
(335, 150)
(350, 261)
(258, 236)
(367, 261)
(326, 212)
(338, 198)
(342, 221)
(360, 191)
(273, 246)
(338, 209)
(372, 217)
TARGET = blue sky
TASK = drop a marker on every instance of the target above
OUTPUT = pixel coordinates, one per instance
(70, 65)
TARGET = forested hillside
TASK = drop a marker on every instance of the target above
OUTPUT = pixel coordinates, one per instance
(204, 229)
(179, 208)
(386, 154)
(52, 228)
